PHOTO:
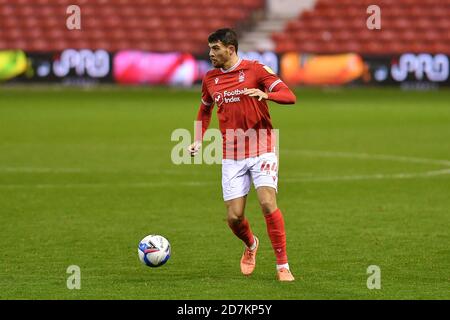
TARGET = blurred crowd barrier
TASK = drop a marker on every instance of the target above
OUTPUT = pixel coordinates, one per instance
(132, 67)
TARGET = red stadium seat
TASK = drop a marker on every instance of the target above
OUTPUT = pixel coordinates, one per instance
(331, 26)
(119, 24)
(406, 25)
(286, 47)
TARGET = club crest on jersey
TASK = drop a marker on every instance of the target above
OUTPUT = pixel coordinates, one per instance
(216, 80)
(241, 76)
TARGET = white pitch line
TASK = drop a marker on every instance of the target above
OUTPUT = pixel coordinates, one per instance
(109, 185)
(378, 176)
(367, 156)
(428, 174)
(328, 154)
(90, 171)
(42, 170)
(310, 153)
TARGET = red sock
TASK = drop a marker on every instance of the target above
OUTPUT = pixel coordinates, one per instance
(242, 231)
(277, 235)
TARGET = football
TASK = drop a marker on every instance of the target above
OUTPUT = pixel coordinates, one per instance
(154, 250)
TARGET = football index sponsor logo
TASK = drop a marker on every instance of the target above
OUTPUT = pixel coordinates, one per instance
(228, 96)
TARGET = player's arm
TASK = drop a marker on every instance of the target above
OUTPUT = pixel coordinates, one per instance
(276, 89)
(281, 95)
(203, 120)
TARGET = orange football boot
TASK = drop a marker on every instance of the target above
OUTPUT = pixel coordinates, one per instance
(248, 260)
(285, 275)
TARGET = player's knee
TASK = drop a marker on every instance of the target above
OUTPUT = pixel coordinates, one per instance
(234, 218)
(268, 206)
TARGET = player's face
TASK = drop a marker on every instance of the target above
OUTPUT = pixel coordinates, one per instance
(219, 54)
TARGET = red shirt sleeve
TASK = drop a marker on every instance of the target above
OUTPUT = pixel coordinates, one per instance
(204, 113)
(275, 88)
(207, 100)
(266, 78)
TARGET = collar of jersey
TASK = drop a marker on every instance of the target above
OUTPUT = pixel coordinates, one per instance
(233, 67)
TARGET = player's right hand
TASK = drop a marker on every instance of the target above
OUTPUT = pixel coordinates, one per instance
(195, 148)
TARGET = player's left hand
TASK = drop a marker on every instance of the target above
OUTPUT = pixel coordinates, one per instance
(256, 93)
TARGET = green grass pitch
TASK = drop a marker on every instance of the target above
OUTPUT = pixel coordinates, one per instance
(85, 174)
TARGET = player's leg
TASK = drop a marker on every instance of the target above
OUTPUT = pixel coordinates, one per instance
(236, 185)
(267, 199)
(275, 229)
(274, 223)
(264, 173)
(237, 221)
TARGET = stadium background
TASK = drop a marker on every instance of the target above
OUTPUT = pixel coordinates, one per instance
(86, 117)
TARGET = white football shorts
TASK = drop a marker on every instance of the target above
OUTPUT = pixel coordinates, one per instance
(237, 175)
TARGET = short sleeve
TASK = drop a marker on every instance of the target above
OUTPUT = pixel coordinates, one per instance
(206, 97)
(266, 77)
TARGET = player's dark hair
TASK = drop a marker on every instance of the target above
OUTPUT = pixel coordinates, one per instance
(227, 36)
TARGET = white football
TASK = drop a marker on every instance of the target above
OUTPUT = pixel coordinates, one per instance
(154, 250)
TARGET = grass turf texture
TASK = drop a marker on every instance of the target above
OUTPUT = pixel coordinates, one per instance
(85, 174)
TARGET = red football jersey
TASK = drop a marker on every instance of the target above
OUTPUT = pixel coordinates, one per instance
(244, 121)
